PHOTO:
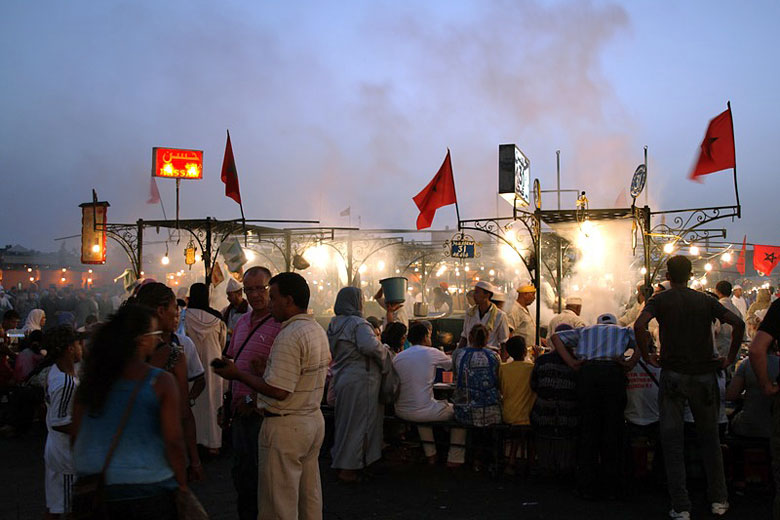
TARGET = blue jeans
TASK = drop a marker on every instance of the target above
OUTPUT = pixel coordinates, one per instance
(702, 394)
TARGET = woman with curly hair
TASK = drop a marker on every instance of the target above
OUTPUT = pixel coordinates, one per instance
(148, 464)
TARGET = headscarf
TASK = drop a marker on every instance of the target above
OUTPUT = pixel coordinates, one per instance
(33, 321)
(349, 314)
(199, 299)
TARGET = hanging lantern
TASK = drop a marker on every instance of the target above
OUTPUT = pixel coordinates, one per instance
(93, 232)
(189, 254)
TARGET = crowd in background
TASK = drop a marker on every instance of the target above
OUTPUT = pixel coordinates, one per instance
(178, 380)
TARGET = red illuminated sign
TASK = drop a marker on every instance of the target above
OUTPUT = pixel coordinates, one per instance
(175, 163)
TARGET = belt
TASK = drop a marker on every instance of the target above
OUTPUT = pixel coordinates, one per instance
(602, 360)
(266, 413)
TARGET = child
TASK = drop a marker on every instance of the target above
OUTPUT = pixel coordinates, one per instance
(63, 351)
(518, 398)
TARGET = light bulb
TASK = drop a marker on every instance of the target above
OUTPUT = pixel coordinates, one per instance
(694, 250)
(165, 260)
(669, 248)
(725, 257)
(708, 267)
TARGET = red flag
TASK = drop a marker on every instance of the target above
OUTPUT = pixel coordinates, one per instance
(765, 258)
(439, 192)
(717, 148)
(230, 174)
(154, 193)
(741, 259)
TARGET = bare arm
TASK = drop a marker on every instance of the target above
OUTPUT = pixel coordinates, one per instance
(758, 352)
(231, 372)
(186, 417)
(737, 333)
(564, 353)
(198, 385)
(643, 337)
(735, 388)
(168, 393)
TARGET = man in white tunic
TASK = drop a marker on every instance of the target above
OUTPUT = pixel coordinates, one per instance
(569, 316)
(738, 301)
(486, 313)
(521, 321)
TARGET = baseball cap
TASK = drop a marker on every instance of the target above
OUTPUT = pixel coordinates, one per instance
(606, 319)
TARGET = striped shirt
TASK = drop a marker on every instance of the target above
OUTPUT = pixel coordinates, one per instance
(599, 341)
(59, 395)
(258, 346)
(298, 364)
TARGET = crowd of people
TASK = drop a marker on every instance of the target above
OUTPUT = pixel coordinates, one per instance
(138, 391)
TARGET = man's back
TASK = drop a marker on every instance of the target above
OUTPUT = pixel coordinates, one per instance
(416, 367)
(685, 318)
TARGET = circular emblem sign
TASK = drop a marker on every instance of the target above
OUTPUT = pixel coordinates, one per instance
(638, 181)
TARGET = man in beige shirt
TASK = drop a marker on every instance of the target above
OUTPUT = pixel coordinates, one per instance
(289, 394)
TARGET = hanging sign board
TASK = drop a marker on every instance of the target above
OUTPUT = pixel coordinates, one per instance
(514, 175)
(462, 246)
(177, 163)
(93, 232)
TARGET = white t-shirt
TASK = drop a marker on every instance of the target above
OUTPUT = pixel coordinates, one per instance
(642, 395)
(416, 367)
(194, 366)
(59, 395)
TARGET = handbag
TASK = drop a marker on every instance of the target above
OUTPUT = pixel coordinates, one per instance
(225, 413)
(188, 507)
(88, 501)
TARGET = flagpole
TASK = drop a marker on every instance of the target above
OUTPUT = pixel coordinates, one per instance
(452, 173)
(736, 189)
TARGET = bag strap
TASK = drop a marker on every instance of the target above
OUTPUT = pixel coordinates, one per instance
(644, 367)
(240, 350)
(123, 422)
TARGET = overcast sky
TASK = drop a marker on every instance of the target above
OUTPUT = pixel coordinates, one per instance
(353, 104)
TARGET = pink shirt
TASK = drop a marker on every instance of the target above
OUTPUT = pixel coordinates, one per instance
(259, 346)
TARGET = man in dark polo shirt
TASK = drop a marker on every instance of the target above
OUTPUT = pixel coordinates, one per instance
(688, 374)
(768, 333)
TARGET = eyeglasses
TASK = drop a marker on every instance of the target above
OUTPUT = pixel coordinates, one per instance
(261, 288)
(153, 333)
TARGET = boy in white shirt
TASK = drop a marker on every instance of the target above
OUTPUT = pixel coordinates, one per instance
(64, 349)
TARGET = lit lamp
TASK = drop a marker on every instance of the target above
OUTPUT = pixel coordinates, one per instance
(93, 232)
(189, 254)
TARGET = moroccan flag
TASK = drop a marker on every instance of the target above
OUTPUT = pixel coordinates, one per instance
(717, 148)
(439, 192)
(154, 193)
(741, 259)
(229, 173)
(765, 258)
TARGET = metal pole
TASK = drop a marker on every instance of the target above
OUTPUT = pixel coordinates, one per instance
(287, 250)
(207, 253)
(140, 252)
(537, 269)
(350, 277)
(647, 178)
(645, 238)
(736, 189)
(559, 281)
(178, 183)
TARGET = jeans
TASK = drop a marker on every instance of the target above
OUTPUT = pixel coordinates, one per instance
(601, 386)
(702, 394)
(246, 429)
(158, 507)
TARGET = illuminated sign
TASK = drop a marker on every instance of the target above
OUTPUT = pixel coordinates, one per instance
(514, 175)
(462, 246)
(175, 163)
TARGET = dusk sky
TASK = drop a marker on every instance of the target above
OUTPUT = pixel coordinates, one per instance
(353, 104)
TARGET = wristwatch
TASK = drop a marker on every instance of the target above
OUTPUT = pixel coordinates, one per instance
(248, 399)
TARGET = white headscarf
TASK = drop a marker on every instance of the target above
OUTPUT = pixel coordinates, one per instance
(33, 321)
